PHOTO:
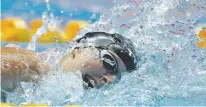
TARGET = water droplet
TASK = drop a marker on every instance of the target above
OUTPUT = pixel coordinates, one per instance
(70, 14)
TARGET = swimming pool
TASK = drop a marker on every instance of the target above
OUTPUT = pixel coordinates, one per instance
(171, 72)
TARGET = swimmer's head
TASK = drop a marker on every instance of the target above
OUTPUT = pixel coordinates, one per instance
(101, 59)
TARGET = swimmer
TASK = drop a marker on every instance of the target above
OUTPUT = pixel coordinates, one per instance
(101, 60)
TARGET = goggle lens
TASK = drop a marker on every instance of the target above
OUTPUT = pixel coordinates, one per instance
(108, 61)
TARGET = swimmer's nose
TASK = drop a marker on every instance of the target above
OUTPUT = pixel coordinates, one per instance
(107, 79)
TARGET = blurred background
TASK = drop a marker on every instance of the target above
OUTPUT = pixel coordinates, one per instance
(20, 19)
(67, 9)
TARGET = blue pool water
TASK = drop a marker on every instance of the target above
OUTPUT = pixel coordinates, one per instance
(171, 72)
(33, 9)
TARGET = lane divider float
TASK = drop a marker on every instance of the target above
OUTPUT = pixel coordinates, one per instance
(202, 37)
(32, 105)
(16, 30)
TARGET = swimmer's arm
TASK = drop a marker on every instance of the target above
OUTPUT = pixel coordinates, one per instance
(18, 64)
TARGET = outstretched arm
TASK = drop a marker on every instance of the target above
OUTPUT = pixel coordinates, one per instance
(20, 65)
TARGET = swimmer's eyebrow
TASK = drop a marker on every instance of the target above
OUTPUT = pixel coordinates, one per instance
(72, 53)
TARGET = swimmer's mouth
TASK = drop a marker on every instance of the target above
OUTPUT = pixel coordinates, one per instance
(92, 82)
(89, 81)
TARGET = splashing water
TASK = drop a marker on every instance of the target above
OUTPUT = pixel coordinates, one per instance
(49, 21)
(172, 70)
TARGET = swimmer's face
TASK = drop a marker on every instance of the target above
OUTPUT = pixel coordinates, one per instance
(87, 60)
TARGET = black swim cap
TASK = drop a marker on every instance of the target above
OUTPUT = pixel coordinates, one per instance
(116, 43)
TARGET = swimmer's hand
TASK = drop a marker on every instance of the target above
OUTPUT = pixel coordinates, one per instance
(20, 65)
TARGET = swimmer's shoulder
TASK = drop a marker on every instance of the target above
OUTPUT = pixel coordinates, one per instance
(15, 50)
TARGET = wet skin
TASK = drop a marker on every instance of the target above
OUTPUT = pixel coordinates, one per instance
(87, 60)
(21, 65)
(18, 65)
